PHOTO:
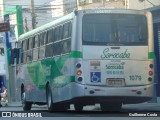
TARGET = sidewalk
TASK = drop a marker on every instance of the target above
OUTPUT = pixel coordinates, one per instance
(147, 106)
(12, 104)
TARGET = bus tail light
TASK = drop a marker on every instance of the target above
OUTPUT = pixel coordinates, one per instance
(80, 79)
(78, 65)
(79, 72)
(151, 66)
(134, 91)
(150, 79)
(145, 13)
(150, 73)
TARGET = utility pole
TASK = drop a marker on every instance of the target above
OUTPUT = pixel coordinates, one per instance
(26, 25)
(126, 4)
(33, 14)
(103, 3)
(77, 4)
(144, 4)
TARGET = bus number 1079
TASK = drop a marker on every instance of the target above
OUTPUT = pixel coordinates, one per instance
(135, 77)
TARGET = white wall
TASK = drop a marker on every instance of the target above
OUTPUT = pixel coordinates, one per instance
(135, 4)
(62, 7)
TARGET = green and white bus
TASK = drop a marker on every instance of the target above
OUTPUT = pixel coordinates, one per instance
(94, 56)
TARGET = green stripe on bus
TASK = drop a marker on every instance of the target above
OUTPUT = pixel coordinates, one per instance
(72, 78)
(49, 70)
(76, 54)
(151, 55)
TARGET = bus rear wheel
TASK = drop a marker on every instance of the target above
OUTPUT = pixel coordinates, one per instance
(78, 107)
(111, 107)
(25, 104)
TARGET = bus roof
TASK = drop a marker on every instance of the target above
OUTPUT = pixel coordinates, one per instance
(113, 10)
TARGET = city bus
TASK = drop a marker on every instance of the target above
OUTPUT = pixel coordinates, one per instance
(88, 57)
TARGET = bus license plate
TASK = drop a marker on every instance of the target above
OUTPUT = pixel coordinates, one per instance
(115, 82)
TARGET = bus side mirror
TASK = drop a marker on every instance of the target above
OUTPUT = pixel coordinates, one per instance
(15, 56)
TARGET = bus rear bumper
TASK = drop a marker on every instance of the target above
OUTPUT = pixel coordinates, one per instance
(127, 95)
(137, 91)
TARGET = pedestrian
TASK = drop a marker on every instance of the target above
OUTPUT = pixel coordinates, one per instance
(1, 85)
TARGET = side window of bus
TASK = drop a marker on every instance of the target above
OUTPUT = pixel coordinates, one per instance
(30, 43)
(27, 49)
(24, 52)
(35, 47)
(36, 41)
(65, 30)
(70, 29)
(60, 35)
(66, 38)
(24, 45)
(57, 48)
(29, 52)
(49, 48)
(56, 33)
(50, 36)
(53, 35)
(42, 38)
(42, 43)
(27, 44)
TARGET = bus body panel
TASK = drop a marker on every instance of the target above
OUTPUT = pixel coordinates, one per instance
(127, 65)
(125, 73)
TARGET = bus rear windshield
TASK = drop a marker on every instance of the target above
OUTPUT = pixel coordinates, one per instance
(114, 29)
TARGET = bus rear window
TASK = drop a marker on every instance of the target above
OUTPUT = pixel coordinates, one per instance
(114, 29)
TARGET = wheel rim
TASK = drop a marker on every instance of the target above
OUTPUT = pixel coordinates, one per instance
(49, 99)
(78, 107)
(23, 99)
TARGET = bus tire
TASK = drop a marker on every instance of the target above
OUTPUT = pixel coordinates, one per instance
(78, 107)
(111, 107)
(25, 104)
(49, 99)
(62, 107)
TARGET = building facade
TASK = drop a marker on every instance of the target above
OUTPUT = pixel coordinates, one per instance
(62, 7)
(42, 11)
(129, 4)
(47, 10)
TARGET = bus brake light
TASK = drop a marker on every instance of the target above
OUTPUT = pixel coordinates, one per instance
(134, 91)
(145, 13)
(150, 73)
(79, 72)
(78, 65)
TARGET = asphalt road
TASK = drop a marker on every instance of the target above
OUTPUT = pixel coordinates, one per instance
(131, 111)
